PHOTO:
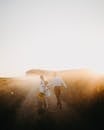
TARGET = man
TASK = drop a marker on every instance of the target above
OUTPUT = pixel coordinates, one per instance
(57, 83)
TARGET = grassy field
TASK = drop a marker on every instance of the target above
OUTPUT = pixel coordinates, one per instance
(83, 104)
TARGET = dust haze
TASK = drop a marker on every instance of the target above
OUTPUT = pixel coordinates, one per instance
(83, 102)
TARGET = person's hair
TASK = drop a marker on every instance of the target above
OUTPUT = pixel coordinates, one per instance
(46, 82)
(41, 76)
(55, 74)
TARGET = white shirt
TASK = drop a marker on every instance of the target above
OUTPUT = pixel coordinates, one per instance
(42, 86)
(57, 81)
(44, 89)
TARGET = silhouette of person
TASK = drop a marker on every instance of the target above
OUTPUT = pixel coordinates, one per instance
(57, 83)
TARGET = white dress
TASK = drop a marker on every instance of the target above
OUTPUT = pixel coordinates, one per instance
(44, 89)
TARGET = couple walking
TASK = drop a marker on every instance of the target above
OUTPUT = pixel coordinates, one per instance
(44, 91)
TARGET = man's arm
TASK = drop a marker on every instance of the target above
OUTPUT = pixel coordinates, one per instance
(64, 84)
(50, 84)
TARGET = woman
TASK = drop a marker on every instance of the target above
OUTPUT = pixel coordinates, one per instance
(43, 93)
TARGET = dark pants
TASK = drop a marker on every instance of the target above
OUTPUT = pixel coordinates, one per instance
(57, 91)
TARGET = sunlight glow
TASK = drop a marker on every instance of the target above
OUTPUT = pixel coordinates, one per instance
(51, 35)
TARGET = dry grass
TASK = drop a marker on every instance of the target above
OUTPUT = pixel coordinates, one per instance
(83, 104)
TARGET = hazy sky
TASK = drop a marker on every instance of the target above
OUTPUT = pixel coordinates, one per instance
(51, 34)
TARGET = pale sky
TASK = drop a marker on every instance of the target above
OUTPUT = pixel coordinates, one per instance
(51, 34)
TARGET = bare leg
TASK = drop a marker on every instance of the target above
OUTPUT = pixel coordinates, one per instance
(46, 103)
